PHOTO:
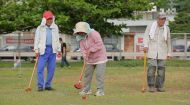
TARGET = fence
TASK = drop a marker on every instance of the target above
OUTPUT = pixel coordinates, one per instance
(180, 45)
(180, 50)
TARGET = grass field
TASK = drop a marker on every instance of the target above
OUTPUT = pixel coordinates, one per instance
(122, 86)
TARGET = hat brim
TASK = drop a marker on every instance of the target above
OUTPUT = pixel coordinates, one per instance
(79, 30)
(49, 17)
(162, 17)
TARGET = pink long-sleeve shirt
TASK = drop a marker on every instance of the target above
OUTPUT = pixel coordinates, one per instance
(93, 45)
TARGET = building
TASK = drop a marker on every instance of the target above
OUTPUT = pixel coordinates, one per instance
(132, 39)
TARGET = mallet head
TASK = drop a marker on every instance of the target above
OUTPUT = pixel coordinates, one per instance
(84, 97)
(28, 89)
(78, 86)
(143, 90)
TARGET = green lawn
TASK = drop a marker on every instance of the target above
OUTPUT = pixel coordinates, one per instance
(122, 86)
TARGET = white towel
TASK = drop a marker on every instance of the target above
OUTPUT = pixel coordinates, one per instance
(43, 22)
(153, 30)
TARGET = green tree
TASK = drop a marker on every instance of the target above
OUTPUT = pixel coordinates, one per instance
(17, 15)
(183, 6)
(182, 19)
(162, 3)
(26, 14)
(181, 23)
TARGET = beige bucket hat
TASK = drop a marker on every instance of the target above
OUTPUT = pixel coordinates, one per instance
(82, 27)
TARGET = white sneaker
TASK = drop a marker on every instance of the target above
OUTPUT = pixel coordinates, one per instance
(82, 93)
(99, 93)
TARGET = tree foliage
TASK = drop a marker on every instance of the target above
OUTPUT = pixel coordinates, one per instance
(182, 19)
(180, 5)
(181, 23)
(162, 3)
(26, 14)
(183, 6)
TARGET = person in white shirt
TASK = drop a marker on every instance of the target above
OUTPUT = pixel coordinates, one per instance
(46, 46)
(157, 43)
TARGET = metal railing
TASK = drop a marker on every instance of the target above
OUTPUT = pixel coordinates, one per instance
(184, 37)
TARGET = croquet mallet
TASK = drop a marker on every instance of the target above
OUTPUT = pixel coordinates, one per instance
(29, 89)
(144, 85)
(79, 85)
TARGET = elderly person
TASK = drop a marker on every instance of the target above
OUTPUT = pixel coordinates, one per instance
(46, 46)
(157, 43)
(94, 54)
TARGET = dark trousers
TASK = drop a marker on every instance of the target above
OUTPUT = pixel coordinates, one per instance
(153, 79)
(64, 61)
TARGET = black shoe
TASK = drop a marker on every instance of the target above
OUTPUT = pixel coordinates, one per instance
(40, 89)
(49, 88)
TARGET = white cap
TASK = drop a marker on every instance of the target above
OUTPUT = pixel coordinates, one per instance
(162, 15)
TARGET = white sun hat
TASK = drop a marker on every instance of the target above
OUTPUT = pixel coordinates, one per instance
(82, 27)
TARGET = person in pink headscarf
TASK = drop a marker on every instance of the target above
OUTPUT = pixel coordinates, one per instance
(46, 46)
(94, 54)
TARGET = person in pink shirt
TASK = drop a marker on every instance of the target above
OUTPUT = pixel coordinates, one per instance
(94, 54)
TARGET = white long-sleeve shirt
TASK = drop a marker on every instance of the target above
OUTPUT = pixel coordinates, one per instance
(40, 39)
(158, 47)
